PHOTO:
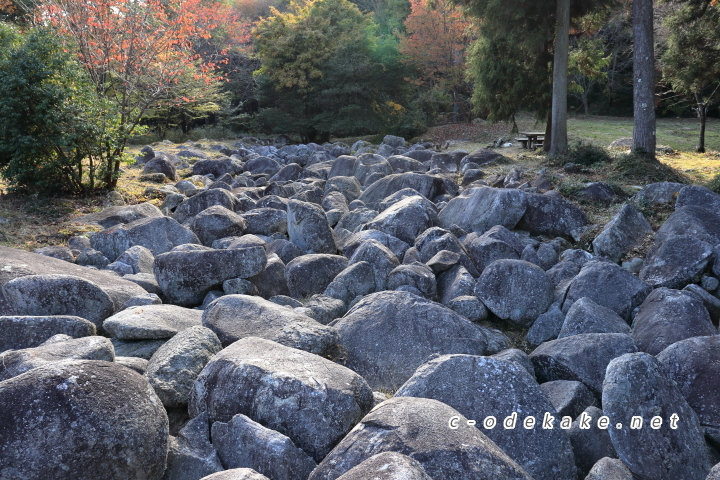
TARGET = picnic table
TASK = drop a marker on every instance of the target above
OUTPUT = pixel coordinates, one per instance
(532, 140)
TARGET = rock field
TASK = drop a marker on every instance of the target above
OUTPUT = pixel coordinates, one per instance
(337, 312)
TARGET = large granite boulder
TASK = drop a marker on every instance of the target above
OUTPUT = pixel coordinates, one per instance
(387, 335)
(429, 186)
(216, 222)
(234, 317)
(308, 228)
(625, 230)
(418, 428)
(151, 322)
(551, 215)
(479, 209)
(112, 216)
(81, 420)
(311, 400)
(406, 219)
(676, 262)
(307, 275)
(30, 331)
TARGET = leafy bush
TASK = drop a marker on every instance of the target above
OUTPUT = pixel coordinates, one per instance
(714, 184)
(55, 133)
(585, 153)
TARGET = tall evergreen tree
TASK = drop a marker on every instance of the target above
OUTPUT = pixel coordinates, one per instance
(643, 78)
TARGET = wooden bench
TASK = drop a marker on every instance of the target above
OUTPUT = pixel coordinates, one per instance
(523, 142)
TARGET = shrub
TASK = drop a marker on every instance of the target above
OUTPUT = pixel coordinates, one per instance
(585, 153)
(638, 168)
(55, 133)
(714, 184)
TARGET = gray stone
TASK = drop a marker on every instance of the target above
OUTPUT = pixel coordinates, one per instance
(267, 320)
(51, 430)
(239, 286)
(456, 282)
(693, 365)
(483, 156)
(676, 262)
(356, 280)
(442, 261)
(310, 274)
(236, 474)
(406, 219)
(264, 165)
(92, 258)
(582, 358)
(136, 364)
(190, 454)
(216, 222)
(668, 316)
(470, 307)
(387, 466)
(546, 326)
(61, 253)
(160, 165)
(517, 356)
(174, 367)
(485, 250)
(586, 316)
(139, 258)
(203, 200)
(120, 268)
(701, 223)
(711, 302)
(266, 221)
(41, 295)
(402, 164)
(79, 243)
(663, 453)
(417, 276)
(348, 186)
(714, 473)
(590, 443)
(395, 245)
(185, 277)
(142, 300)
(515, 290)
(551, 215)
(382, 260)
(609, 469)
(354, 220)
(217, 167)
(159, 235)
(479, 209)
(323, 308)
(658, 193)
(478, 387)
(429, 186)
(418, 428)
(146, 282)
(697, 196)
(609, 285)
(311, 400)
(626, 229)
(111, 216)
(569, 398)
(285, 301)
(387, 335)
(243, 443)
(20, 332)
(308, 228)
(137, 348)
(284, 249)
(16, 362)
(271, 281)
(151, 322)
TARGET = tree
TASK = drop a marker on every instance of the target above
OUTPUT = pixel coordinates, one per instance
(558, 137)
(643, 78)
(323, 72)
(435, 44)
(691, 63)
(55, 133)
(136, 53)
(587, 66)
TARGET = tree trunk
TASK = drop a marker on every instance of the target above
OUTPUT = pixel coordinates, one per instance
(558, 142)
(548, 134)
(586, 104)
(702, 113)
(643, 78)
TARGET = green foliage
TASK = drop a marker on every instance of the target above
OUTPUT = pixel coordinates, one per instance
(55, 133)
(586, 153)
(324, 72)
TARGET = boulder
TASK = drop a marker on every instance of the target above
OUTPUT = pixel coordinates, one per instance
(204, 200)
(568, 397)
(271, 281)
(586, 316)
(111, 216)
(159, 235)
(138, 258)
(243, 443)
(174, 367)
(429, 186)
(668, 316)
(265, 221)
(310, 274)
(406, 219)
(395, 245)
(676, 262)
(590, 443)
(551, 215)
(151, 322)
(697, 196)
(311, 400)
(185, 277)
(387, 466)
(419, 278)
(418, 428)
(609, 285)
(403, 164)
(357, 280)
(348, 186)
(160, 165)
(387, 335)
(58, 295)
(693, 365)
(216, 222)
(190, 454)
(581, 358)
(482, 156)
(20, 332)
(55, 349)
(626, 229)
(16, 263)
(479, 387)
(61, 253)
(701, 223)
(354, 220)
(308, 228)
(380, 258)
(264, 319)
(51, 430)
(546, 327)
(515, 290)
(479, 209)
(284, 249)
(217, 167)
(652, 452)
(236, 474)
(658, 193)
